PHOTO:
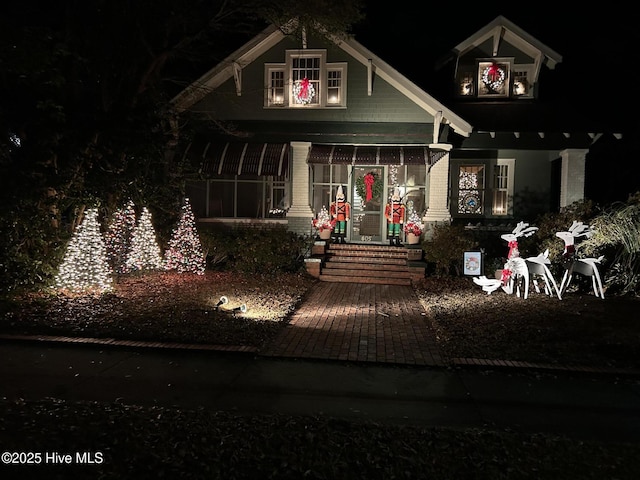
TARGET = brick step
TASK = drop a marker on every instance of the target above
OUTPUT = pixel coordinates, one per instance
(375, 267)
(369, 280)
(379, 261)
(366, 248)
(363, 272)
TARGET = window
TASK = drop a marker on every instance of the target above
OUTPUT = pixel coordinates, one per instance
(493, 78)
(239, 196)
(305, 80)
(466, 84)
(503, 187)
(522, 85)
(471, 189)
(276, 86)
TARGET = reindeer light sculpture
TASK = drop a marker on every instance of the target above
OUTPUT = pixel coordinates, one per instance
(572, 264)
(515, 270)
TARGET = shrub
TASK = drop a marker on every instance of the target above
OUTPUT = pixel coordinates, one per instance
(446, 248)
(255, 250)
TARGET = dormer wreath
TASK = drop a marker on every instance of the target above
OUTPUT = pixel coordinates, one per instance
(303, 91)
(493, 76)
(369, 187)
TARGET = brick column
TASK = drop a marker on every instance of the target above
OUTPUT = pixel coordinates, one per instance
(572, 175)
(438, 207)
(300, 215)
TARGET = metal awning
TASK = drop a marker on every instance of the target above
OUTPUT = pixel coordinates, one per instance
(374, 154)
(238, 158)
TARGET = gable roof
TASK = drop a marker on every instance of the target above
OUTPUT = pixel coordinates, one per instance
(503, 29)
(272, 35)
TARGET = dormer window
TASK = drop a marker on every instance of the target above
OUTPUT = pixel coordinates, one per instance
(306, 80)
(522, 83)
(493, 78)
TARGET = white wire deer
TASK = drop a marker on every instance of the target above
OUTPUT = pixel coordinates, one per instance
(516, 270)
(572, 264)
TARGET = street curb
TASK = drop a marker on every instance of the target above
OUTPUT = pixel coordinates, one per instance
(129, 343)
(453, 362)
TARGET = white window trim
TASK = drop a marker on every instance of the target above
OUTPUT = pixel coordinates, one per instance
(481, 64)
(510, 164)
(529, 69)
(324, 67)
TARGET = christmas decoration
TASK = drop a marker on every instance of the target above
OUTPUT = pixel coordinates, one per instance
(394, 212)
(340, 211)
(493, 76)
(144, 253)
(118, 237)
(303, 91)
(85, 267)
(185, 250)
(369, 187)
(323, 220)
(414, 224)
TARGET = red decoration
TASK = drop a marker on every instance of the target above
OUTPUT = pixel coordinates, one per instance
(304, 88)
(369, 180)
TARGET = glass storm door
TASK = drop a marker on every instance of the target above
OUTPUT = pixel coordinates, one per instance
(367, 204)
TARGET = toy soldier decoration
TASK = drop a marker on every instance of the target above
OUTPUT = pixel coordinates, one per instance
(340, 211)
(394, 212)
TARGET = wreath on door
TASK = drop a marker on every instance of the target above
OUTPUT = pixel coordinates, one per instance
(369, 186)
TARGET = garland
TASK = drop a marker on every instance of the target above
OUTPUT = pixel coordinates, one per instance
(493, 76)
(376, 188)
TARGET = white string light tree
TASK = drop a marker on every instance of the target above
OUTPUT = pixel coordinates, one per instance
(118, 237)
(185, 249)
(84, 268)
(144, 252)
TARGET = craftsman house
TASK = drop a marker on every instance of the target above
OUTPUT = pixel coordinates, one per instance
(297, 116)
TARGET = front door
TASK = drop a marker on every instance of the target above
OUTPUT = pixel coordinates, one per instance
(368, 224)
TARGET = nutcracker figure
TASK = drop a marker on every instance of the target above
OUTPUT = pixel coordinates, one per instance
(340, 211)
(394, 212)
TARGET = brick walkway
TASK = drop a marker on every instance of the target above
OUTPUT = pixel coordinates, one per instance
(359, 322)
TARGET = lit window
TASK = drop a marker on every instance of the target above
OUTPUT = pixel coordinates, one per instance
(502, 187)
(522, 83)
(276, 87)
(470, 189)
(306, 80)
(465, 83)
(493, 78)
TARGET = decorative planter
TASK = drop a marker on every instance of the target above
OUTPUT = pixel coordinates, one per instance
(413, 239)
(324, 234)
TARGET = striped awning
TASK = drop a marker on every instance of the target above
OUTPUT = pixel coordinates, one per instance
(241, 158)
(374, 154)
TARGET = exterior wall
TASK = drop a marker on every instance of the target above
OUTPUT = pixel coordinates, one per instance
(385, 104)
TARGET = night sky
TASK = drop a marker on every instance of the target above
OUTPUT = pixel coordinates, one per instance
(599, 48)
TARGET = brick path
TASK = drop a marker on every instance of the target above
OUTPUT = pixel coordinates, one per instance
(359, 322)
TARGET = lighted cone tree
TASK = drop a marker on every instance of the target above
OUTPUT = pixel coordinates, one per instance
(118, 237)
(144, 252)
(185, 250)
(85, 267)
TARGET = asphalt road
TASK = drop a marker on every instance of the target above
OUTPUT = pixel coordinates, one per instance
(586, 407)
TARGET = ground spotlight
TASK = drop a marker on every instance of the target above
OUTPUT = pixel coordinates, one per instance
(222, 301)
(242, 308)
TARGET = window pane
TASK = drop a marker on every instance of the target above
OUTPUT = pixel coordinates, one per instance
(250, 200)
(221, 199)
(197, 193)
(470, 189)
(500, 189)
(334, 87)
(276, 94)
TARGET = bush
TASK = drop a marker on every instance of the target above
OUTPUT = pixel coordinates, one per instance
(446, 248)
(255, 250)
